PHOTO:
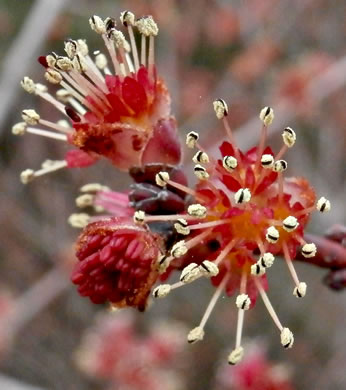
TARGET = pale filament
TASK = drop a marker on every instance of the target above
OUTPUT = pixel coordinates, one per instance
(241, 312)
(213, 301)
(267, 303)
(290, 264)
(261, 145)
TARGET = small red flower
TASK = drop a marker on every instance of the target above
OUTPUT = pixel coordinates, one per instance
(255, 372)
(117, 262)
(123, 116)
(114, 351)
(245, 212)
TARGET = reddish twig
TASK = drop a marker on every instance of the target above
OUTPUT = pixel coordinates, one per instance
(331, 254)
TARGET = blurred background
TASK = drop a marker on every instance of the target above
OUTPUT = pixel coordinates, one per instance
(288, 54)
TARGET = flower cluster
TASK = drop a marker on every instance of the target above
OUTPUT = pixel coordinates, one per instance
(229, 227)
(120, 111)
(255, 372)
(114, 351)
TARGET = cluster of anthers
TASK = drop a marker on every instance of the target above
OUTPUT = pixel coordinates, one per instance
(245, 204)
(118, 110)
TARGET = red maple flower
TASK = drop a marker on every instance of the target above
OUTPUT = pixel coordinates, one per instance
(250, 213)
(113, 350)
(117, 262)
(255, 372)
(123, 116)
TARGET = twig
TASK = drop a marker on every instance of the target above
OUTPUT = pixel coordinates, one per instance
(13, 384)
(24, 48)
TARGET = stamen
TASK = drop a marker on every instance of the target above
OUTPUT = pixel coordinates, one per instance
(191, 139)
(210, 224)
(289, 137)
(236, 356)
(309, 250)
(139, 217)
(267, 304)
(200, 158)
(19, 128)
(200, 172)
(198, 239)
(267, 161)
(54, 126)
(229, 163)
(85, 200)
(225, 251)
(272, 235)
(257, 269)
(266, 116)
(300, 289)
(143, 50)
(323, 205)
(95, 187)
(162, 291)
(208, 269)
(28, 175)
(287, 338)
(280, 166)
(181, 226)
(151, 55)
(170, 217)
(179, 249)
(53, 76)
(290, 223)
(243, 195)
(197, 333)
(220, 108)
(128, 20)
(79, 220)
(267, 260)
(97, 24)
(46, 133)
(162, 179)
(31, 117)
(190, 273)
(65, 96)
(197, 210)
(112, 54)
(243, 303)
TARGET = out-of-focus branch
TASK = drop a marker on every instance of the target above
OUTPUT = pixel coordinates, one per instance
(7, 383)
(24, 48)
(331, 254)
(35, 299)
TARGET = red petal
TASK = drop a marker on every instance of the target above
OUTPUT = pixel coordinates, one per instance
(78, 159)
(226, 149)
(119, 108)
(113, 84)
(231, 183)
(249, 178)
(164, 145)
(266, 182)
(143, 79)
(134, 94)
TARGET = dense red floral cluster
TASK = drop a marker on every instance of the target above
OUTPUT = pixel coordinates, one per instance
(116, 262)
(124, 117)
(114, 351)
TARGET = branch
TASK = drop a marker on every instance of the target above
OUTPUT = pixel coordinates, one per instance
(331, 254)
(25, 46)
